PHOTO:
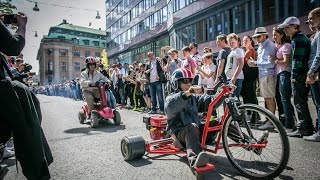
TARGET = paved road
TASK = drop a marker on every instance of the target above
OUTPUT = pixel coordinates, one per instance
(81, 152)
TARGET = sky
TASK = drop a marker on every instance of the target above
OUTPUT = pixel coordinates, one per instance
(49, 16)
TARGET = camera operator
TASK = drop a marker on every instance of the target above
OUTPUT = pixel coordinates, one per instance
(20, 109)
(23, 71)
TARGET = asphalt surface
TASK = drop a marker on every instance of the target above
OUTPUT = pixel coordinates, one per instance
(81, 152)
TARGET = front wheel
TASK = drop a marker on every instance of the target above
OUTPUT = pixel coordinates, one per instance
(256, 154)
(116, 118)
(94, 119)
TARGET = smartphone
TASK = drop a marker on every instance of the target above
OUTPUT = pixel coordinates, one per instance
(9, 19)
(32, 73)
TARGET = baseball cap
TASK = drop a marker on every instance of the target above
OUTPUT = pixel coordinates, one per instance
(289, 21)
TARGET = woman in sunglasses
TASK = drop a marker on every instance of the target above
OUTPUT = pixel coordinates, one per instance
(88, 80)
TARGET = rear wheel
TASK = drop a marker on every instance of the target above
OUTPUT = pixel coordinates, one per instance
(94, 119)
(116, 118)
(256, 154)
(81, 117)
(133, 147)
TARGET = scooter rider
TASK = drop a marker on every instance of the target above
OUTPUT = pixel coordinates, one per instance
(90, 77)
(182, 110)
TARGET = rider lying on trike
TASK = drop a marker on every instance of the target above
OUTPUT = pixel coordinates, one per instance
(254, 153)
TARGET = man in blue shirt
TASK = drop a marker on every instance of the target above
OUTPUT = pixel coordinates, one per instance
(267, 72)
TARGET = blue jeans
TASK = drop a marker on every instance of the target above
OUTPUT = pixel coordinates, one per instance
(285, 93)
(300, 100)
(156, 91)
(315, 89)
(237, 91)
(111, 100)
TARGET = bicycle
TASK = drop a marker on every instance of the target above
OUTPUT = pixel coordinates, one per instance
(236, 133)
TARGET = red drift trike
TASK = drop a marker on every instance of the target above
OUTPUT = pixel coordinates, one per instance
(255, 153)
(101, 111)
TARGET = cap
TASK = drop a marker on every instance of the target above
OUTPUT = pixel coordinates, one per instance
(289, 21)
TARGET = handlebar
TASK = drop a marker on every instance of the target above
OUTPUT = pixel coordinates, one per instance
(222, 81)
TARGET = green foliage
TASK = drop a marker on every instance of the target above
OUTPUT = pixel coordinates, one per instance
(6, 8)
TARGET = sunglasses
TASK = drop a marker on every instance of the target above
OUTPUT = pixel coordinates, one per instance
(191, 47)
(257, 37)
(205, 51)
(186, 81)
(92, 63)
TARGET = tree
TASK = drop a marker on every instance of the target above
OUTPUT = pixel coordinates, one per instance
(6, 8)
(104, 59)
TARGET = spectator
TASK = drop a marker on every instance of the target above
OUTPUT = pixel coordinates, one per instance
(234, 63)
(207, 72)
(221, 42)
(283, 65)
(301, 53)
(175, 61)
(154, 71)
(188, 62)
(267, 77)
(249, 83)
(314, 68)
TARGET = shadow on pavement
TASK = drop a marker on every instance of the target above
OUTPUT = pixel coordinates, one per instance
(87, 130)
(139, 162)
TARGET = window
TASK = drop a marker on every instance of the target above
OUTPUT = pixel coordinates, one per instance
(87, 53)
(50, 67)
(63, 66)
(97, 54)
(199, 31)
(268, 12)
(76, 66)
(96, 43)
(64, 78)
(240, 21)
(86, 42)
(210, 29)
(76, 53)
(217, 24)
(75, 40)
(164, 13)
(50, 52)
(63, 52)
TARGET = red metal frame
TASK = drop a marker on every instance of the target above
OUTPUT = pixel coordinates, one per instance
(166, 146)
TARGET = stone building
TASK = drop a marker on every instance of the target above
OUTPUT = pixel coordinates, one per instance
(61, 54)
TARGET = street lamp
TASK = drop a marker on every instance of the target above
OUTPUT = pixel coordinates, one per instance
(98, 16)
(35, 8)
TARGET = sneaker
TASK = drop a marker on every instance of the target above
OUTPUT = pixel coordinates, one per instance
(7, 153)
(152, 112)
(161, 113)
(135, 109)
(262, 139)
(266, 126)
(298, 134)
(288, 130)
(315, 137)
(128, 106)
(202, 160)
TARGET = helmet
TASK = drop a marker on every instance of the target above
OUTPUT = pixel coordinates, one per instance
(91, 60)
(178, 74)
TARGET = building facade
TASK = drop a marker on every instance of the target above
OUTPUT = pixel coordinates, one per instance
(62, 53)
(135, 27)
